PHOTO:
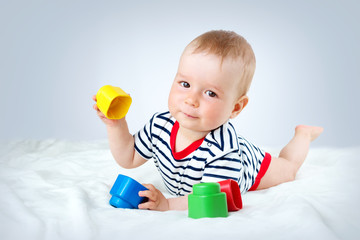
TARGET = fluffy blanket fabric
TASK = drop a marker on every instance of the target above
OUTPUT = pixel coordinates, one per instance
(60, 190)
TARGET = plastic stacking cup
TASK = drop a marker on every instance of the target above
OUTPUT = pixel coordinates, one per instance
(233, 195)
(207, 201)
(125, 193)
(113, 102)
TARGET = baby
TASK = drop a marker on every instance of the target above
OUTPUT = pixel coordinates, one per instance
(194, 141)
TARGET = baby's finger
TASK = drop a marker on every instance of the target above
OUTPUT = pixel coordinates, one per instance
(94, 98)
(149, 194)
(102, 116)
(96, 107)
(149, 186)
(147, 205)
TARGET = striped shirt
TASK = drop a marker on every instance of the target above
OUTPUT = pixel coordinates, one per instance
(221, 155)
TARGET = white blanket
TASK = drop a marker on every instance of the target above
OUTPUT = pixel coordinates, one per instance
(60, 190)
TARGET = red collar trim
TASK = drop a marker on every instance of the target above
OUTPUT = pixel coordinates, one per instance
(191, 148)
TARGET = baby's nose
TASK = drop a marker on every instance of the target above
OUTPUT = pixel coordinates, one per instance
(192, 100)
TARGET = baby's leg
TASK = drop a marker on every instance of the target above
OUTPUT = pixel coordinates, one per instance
(284, 168)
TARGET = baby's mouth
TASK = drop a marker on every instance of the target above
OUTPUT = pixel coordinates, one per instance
(189, 116)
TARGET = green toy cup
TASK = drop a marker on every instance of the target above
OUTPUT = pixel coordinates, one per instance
(207, 201)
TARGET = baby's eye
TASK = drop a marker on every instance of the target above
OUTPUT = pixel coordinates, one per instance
(185, 84)
(210, 93)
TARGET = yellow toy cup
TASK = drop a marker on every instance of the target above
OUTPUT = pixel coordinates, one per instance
(113, 102)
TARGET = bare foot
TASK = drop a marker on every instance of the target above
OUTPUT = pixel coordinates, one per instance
(312, 131)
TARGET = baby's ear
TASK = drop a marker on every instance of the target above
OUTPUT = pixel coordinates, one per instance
(239, 106)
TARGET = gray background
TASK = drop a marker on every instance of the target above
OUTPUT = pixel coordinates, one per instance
(54, 55)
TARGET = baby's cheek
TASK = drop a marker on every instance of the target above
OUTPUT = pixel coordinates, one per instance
(219, 115)
(215, 117)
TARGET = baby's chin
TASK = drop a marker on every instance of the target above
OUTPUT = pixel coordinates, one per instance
(197, 123)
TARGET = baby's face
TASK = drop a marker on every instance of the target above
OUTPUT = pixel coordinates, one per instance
(204, 92)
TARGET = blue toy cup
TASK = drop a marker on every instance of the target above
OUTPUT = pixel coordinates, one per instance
(125, 193)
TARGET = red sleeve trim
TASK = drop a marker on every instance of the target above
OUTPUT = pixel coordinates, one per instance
(263, 168)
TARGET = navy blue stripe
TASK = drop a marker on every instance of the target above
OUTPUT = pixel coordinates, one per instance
(222, 138)
(165, 177)
(164, 113)
(162, 141)
(178, 191)
(175, 180)
(232, 127)
(187, 191)
(231, 139)
(143, 143)
(250, 152)
(178, 174)
(245, 163)
(219, 176)
(151, 122)
(167, 119)
(212, 142)
(147, 135)
(199, 159)
(215, 143)
(207, 150)
(231, 160)
(180, 160)
(141, 153)
(167, 158)
(251, 177)
(176, 167)
(190, 158)
(194, 168)
(225, 168)
(161, 128)
(237, 139)
(156, 163)
(246, 146)
(234, 135)
(168, 188)
(255, 160)
(233, 152)
(259, 151)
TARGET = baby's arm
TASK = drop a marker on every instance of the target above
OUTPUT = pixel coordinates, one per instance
(157, 200)
(121, 141)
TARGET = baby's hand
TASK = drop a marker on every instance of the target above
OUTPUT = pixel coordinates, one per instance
(108, 122)
(157, 200)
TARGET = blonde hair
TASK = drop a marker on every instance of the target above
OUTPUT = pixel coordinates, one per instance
(228, 44)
